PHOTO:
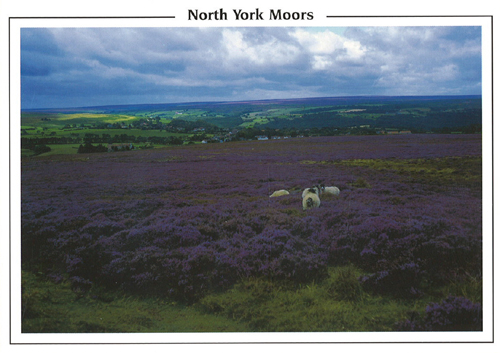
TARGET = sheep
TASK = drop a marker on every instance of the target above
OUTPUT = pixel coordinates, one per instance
(279, 193)
(311, 198)
(316, 188)
(330, 190)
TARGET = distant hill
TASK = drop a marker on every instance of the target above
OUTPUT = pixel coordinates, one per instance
(419, 113)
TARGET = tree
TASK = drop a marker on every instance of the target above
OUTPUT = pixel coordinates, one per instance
(39, 149)
(89, 148)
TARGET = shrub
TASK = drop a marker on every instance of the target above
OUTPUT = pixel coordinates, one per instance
(361, 183)
(344, 284)
(405, 258)
(90, 148)
(452, 314)
(39, 149)
(402, 281)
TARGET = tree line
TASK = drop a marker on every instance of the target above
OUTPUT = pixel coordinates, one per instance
(102, 139)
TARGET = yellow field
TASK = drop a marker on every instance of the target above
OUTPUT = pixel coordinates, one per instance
(112, 118)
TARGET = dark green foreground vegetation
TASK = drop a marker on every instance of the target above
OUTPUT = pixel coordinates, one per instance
(337, 304)
(50, 307)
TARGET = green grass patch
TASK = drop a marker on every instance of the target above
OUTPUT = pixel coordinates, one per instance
(54, 308)
(75, 132)
(62, 149)
(361, 183)
(449, 170)
(337, 304)
(54, 150)
(334, 305)
(308, 161)
(470, 287)
(26, 152)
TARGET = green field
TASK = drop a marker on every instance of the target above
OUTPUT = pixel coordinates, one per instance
(56, 132)
(62, 149)
(159, 124)
(58, 120)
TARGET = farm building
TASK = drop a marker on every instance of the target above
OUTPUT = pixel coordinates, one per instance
(112, 147)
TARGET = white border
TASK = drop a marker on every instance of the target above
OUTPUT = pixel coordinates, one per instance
(180, 21)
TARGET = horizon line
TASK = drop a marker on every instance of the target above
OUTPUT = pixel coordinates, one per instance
(246, 101)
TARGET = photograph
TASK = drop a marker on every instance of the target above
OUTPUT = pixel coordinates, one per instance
(243, 174)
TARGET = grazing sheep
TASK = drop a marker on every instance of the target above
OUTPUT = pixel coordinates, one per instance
(316, 188)
(311, 198)
(279, 193)
(330, 190)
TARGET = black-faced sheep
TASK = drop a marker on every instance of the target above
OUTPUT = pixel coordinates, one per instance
(316, 188)
(310, 198)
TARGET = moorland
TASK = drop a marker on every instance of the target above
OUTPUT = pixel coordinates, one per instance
(182, 236)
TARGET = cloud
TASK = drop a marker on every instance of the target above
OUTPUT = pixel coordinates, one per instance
(93, 66)
(327, 49)
(269, 52)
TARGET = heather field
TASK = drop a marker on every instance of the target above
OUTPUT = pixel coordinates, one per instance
(186, 238)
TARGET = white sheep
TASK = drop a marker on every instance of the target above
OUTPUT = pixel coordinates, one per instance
(316, 189)
(279, 193)
(330, 190)
(311, 198)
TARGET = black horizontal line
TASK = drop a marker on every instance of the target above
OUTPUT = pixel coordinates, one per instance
(407, 16)
(96, 17)
(263, 342)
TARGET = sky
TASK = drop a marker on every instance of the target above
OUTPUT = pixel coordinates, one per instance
(81, 67)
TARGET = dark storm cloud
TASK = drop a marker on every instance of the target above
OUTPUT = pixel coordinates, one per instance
(93, 66)
(40, 54)
(39, 40)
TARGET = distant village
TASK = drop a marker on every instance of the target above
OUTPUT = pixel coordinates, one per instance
(208, 133)
(246, 134)
(182, 132)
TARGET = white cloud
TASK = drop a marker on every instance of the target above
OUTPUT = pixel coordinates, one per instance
(444, 73)
(240, 51)
(469, 48)
(327, 48)
(321, 62)
(319, 42)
